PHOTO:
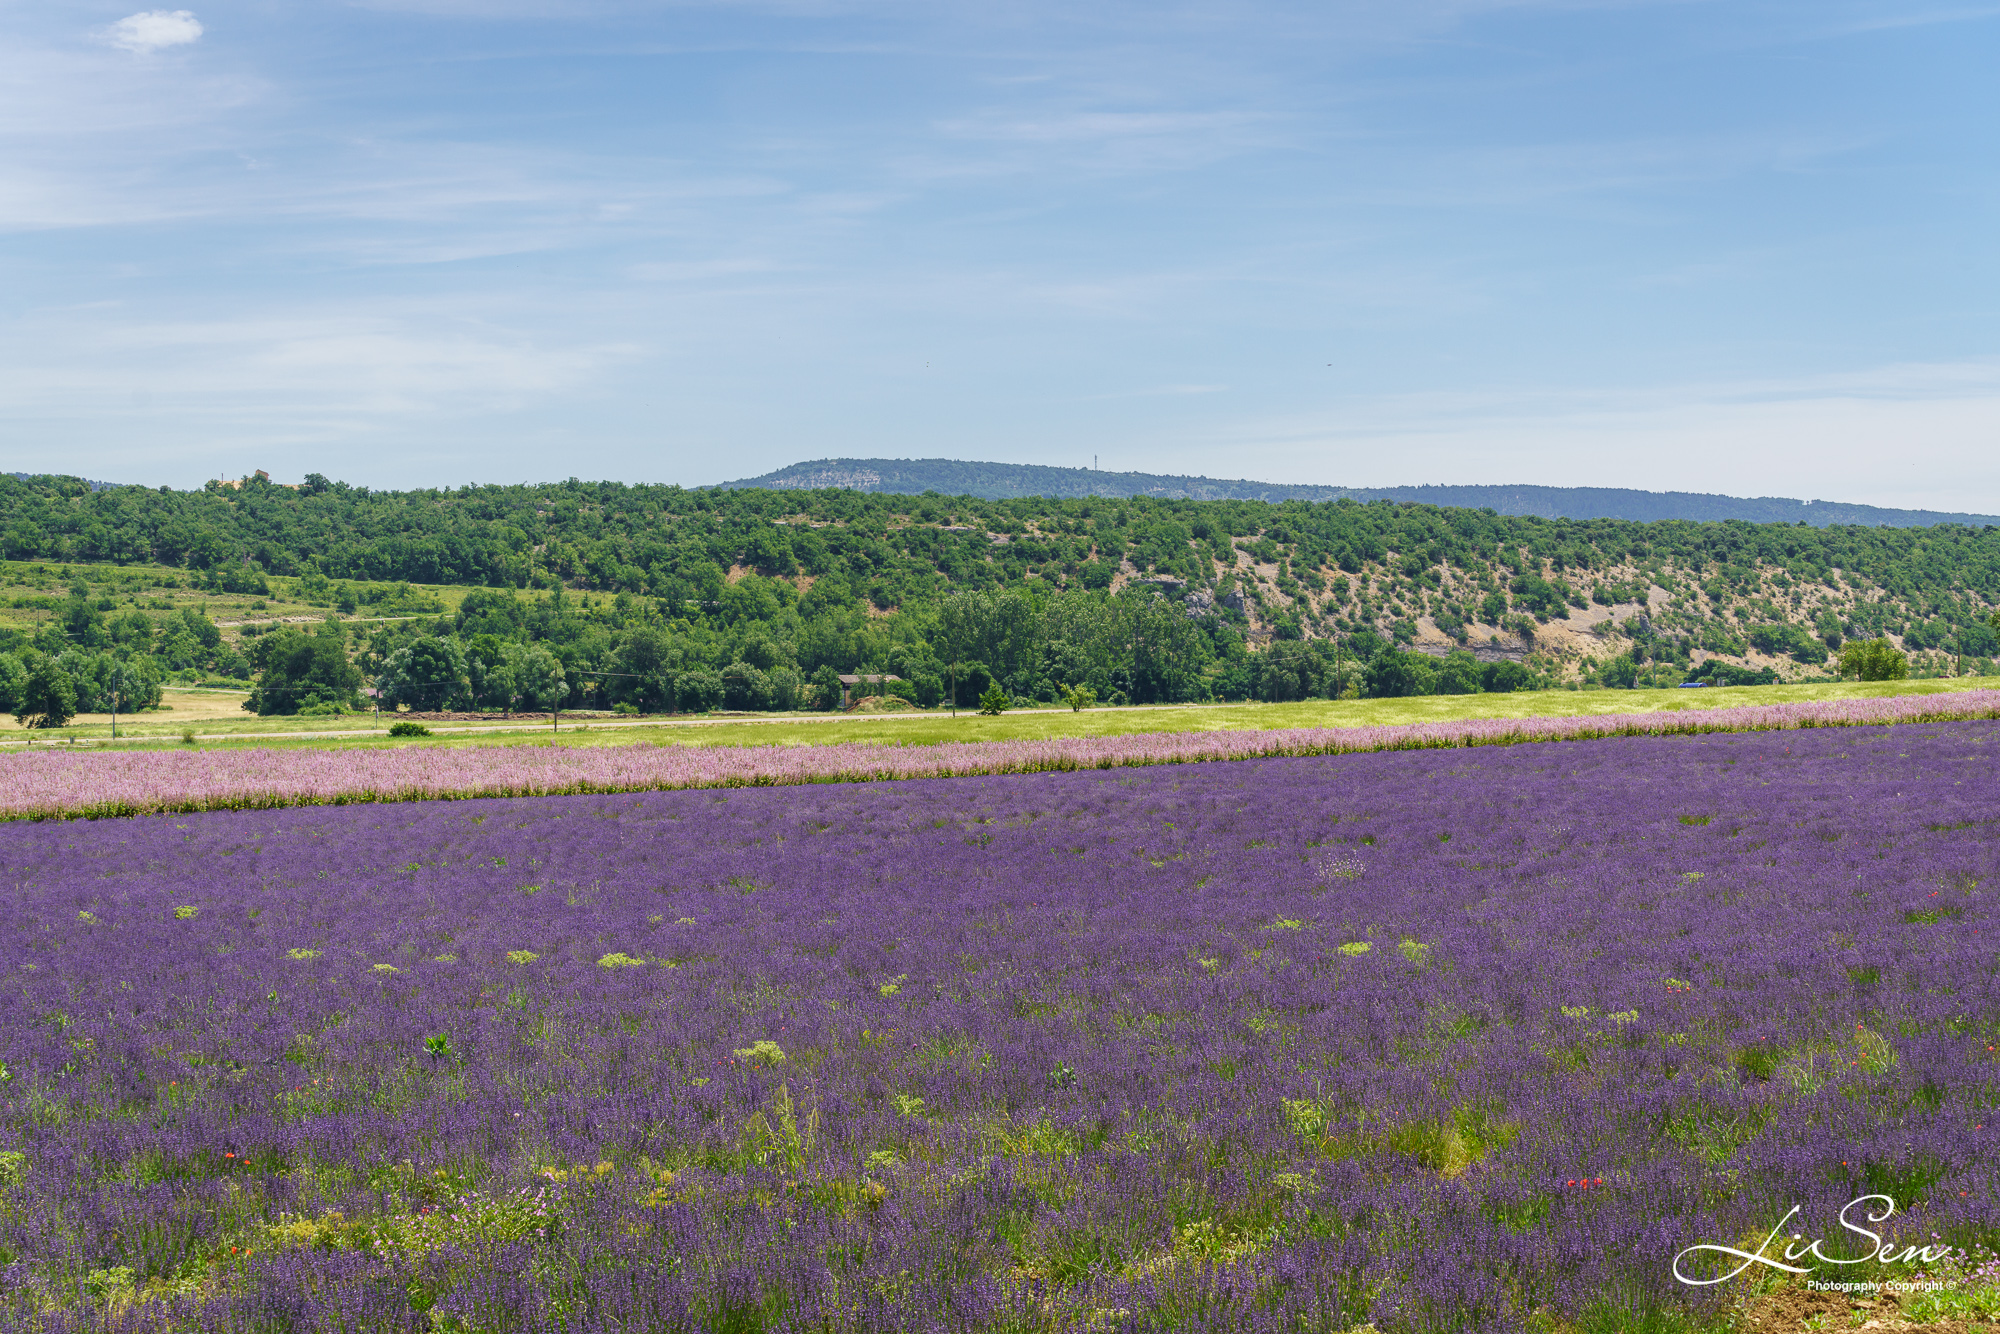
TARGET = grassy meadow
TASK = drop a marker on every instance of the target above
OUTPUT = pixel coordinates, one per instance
(216, 717)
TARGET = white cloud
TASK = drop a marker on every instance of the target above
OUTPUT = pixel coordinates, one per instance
(154, 30)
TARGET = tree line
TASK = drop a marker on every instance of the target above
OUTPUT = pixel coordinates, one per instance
(657, 598)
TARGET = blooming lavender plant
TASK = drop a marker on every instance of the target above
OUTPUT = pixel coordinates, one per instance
(1437, 1039)
(48, 783)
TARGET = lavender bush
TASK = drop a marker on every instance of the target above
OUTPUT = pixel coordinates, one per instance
(1444, 1040)
(56, 783)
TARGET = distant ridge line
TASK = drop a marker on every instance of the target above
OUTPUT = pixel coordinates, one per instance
(1008, 481)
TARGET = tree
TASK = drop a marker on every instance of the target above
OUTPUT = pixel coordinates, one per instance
(1079, 698)
(47, 698)
(1505, 677)
(138, 680)
(698, 691)
(1979, 640)
(80, 618)
(973, 681)
(1458, 674)
(190, 640)
(1620, 673)
(994, 702)
(13, 675)
(1395, 673)
(538, 677)
(648, 659)
(999, 632)
(304, 673)
(96, 676)
(1165, 649)
(1873, 660)
(825, 688)
(1286, 671)
(427, 675)
(133, 632)
(957, 633)
(745, 687)
(486, 662)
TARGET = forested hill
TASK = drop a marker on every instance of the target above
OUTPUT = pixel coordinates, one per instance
(1004, 481)
(1141, 598)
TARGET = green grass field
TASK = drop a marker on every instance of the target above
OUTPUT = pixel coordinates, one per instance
(215, 718)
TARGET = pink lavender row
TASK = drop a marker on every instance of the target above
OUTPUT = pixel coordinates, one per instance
(50, 783)
(1468, 1041)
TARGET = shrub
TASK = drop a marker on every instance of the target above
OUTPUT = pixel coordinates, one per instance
(1718, 672)
(762, 1052)
(995, 701)
(1788, 638)
(407, 728)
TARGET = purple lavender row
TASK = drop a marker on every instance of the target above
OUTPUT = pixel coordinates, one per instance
(1441, 1040)
(51, 783)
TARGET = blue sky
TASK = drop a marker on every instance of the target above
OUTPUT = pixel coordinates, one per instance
(1743, 247)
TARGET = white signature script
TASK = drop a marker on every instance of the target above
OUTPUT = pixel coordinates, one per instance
(1799, 1249)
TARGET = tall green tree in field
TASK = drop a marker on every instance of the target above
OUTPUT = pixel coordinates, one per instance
(47, 698)
(303, 673)
(826, 689)
(959, 620)
(427, 675)
(1873, 660)
(538, 678)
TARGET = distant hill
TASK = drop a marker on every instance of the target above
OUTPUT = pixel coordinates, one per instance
(1005, 481)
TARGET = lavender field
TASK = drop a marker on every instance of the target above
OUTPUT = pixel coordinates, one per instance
(60, 783)
(1445, 1039)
